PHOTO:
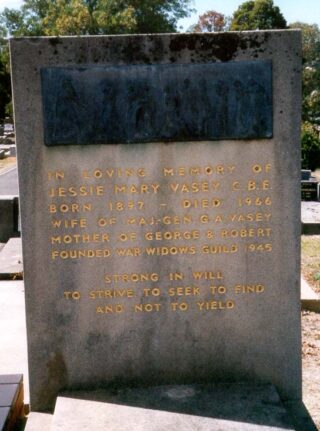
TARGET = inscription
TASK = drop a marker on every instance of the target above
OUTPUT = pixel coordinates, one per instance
(187, 218)
(178, 298)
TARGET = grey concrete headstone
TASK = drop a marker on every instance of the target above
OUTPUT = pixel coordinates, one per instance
(159, 262)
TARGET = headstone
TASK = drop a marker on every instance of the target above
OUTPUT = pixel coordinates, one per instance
(12, 151)
(159, 180)
(9, 214)
(309, 190)
(305, 174)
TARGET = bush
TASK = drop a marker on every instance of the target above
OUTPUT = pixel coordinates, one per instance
(310, 146)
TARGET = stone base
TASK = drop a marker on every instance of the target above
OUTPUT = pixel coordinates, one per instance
(39, 422)
(11, 401)
(310, 218)
(11, 267)
(214, 407)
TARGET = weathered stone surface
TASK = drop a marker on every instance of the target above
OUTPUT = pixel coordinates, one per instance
(310, 218)
(38, 422)
(160, 263)
(227, 407)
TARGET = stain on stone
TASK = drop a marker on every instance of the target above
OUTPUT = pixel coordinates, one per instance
(157, 49)
(57, 381)
(65, 319)
(132, 50)
(183, 41)
(93, 341)
(54, 41)
(222, 46)
(33, 40)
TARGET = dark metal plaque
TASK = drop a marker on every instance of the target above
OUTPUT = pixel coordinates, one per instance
(309, 190)
(150, 103)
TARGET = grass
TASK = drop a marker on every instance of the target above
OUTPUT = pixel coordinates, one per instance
(310, 260)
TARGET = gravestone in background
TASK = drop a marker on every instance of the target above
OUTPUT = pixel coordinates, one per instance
(160, 187)
(309, 190)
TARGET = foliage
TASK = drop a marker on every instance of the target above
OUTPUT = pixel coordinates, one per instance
(311, 95)
(310, 42)
(317, 276)
(310, 146)
(310, 72)
(310, 137)
(84, 17)
(211, 21)
(5, 87)
(9, 108)
(257, 15)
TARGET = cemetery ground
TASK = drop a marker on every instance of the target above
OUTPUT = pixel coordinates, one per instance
(310, 260)
(311, 363)
(7, 163)
(310, 268)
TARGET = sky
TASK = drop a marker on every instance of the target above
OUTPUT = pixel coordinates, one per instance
(293, 10)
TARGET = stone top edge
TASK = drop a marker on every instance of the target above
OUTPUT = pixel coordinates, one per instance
(148, 35)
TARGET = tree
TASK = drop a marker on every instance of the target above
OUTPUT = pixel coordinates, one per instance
(84, 17)
(258, 15)
(310, 136)
(210, 21)
(310, 42)
(5, 87)
(310, 146)
(81, 17)
(310, 72)
(311, 94)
